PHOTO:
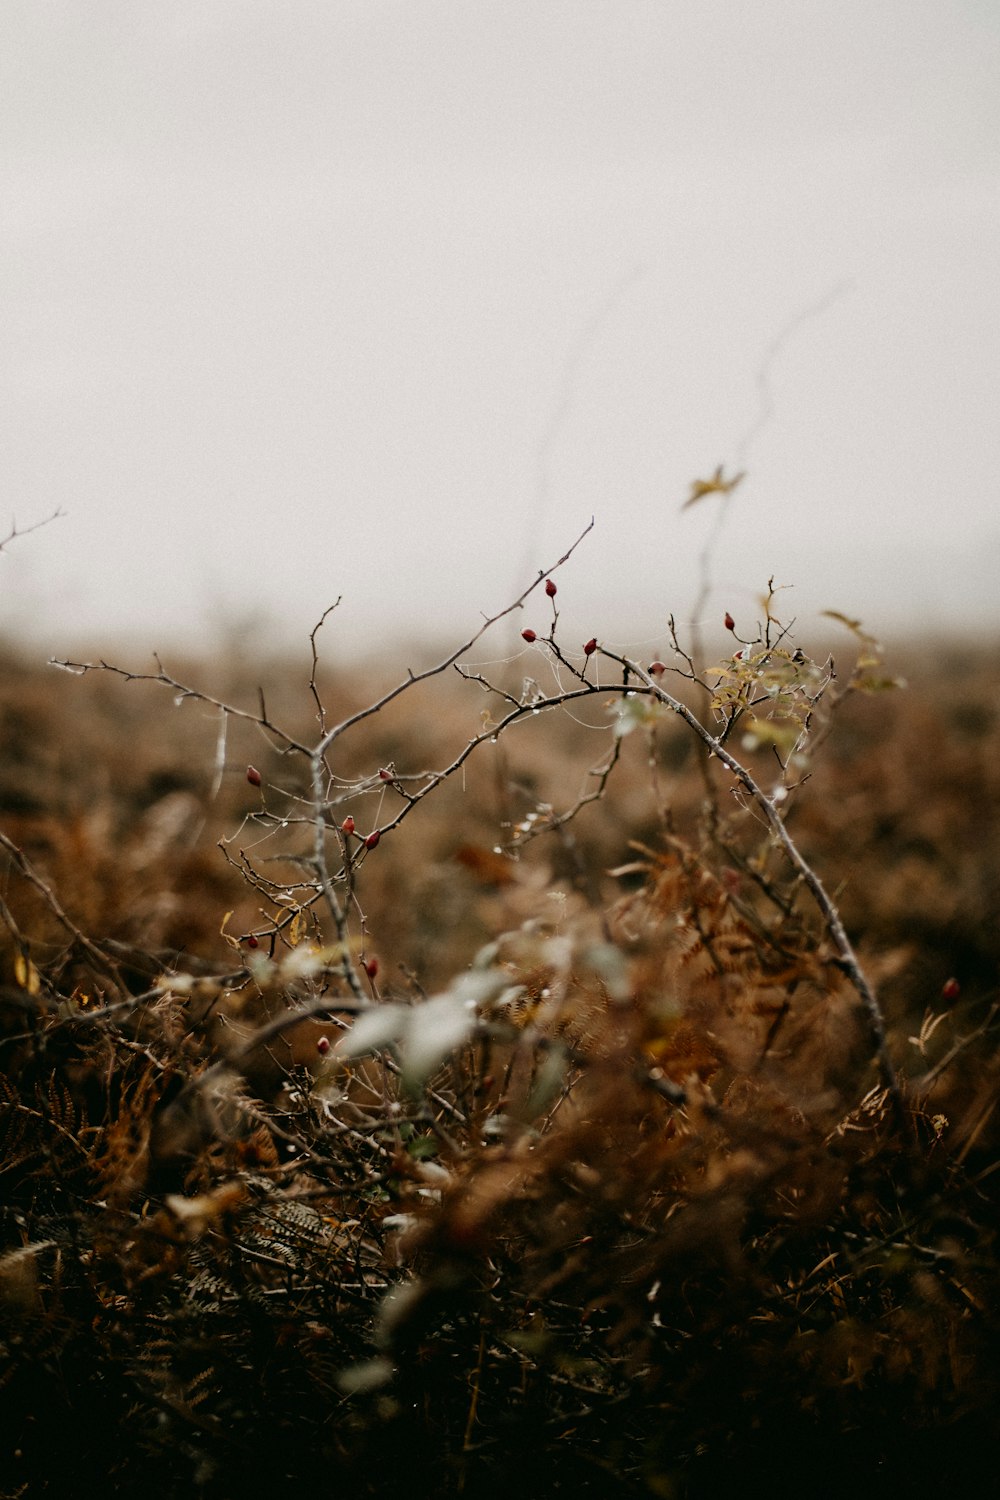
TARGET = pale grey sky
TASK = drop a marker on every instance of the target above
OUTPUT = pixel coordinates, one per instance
(385, 300)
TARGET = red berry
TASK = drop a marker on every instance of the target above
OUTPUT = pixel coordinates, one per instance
(385, 775)
(656, 668)
(252, 942)
(529, 636)
(323, 1046)
(591, 646)
(373, 838)
(550, 588)
(729, 622)
(347, 826)
(951, 989)
(253, 776)
(371, 967)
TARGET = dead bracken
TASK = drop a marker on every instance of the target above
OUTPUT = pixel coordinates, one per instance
(663, 1150)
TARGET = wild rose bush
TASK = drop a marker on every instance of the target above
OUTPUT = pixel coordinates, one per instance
(383, 1103)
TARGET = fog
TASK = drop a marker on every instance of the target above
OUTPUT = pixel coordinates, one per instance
(385, 302)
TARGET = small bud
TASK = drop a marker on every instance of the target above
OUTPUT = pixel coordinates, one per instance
(656, 668)
(323, 1046)
(373, 838)
(371, 966)
(591, 646)
(252, 942)
(951, 989)
(385, 775)
(529, 636)
(729, 622)
(550, 588)
(253, 776)
(347, 826)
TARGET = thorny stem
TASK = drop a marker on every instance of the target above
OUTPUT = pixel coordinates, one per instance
(337, 911)
(834, 924)
(261, 719)
(324, 880)
(313, 688)
(317, 758)
(450, 660)
(316, 755)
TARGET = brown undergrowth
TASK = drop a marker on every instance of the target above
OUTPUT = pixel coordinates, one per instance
(595, 1188)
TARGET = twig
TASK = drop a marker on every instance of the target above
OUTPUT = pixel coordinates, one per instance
(16, 531)
(313, 688)
(164, 678)
(831, 915)
(98, 959)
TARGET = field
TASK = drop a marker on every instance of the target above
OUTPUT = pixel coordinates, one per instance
(539, 1134)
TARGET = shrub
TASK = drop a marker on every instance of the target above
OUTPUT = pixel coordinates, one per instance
(382, 1147)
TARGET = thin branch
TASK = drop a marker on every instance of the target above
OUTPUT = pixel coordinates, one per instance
(260, 720)
(16, 531)
(554, 821)
(412, 678)
(834, 924)
(313, 688)
(100, 960)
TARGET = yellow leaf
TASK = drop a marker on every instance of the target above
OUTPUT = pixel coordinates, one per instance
(717, 485)
(297, 929)
(854, 626)
(233, 942)
(782, 733)
(27, 975)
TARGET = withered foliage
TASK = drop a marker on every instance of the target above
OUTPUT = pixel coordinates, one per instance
(613, 1201)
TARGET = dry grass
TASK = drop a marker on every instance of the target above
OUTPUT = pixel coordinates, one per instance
(649, 1223)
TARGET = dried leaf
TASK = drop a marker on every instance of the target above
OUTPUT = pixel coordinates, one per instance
(717, 485)
(486, 866)
(26, 974)
(854, 626)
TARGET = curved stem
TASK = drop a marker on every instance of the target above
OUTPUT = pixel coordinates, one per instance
(831, 916)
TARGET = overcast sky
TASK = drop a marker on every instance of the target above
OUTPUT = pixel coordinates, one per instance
(386, 299)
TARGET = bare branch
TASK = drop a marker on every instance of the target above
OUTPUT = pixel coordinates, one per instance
(19, 531)
(313, 688)
(831, 915)
(100, 960)
(164, 678)
(412, 678)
